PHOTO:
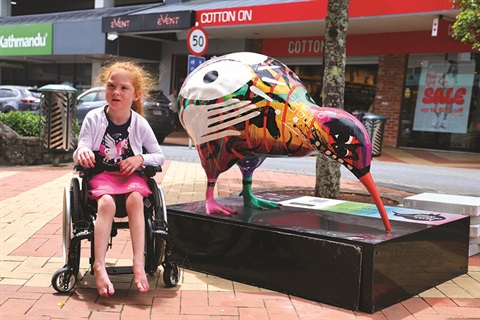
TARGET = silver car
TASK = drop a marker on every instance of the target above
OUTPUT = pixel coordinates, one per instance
(19, 98)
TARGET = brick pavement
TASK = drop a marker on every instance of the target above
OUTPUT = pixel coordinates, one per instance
(30, 251)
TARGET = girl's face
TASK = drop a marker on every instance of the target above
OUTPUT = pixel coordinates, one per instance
(120, 92)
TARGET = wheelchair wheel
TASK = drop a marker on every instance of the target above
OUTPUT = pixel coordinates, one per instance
(159, 216)
(77, 213)
(71, 211)
(84, 197)
(66, 223)
(171, 274)
(63, 280)
(155, 196)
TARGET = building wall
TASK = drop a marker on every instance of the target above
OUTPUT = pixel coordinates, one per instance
(388, 99)
(78, 37)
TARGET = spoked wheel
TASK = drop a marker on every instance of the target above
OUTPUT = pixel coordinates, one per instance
(155, 197)
(63, 280)
(77, 213)
(171, 274)
(71, 211)
(66, 223)
(159, 216)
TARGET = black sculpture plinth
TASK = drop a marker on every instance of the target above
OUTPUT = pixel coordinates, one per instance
(330, 251)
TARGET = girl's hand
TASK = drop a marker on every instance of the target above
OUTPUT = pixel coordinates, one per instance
(130, 165)
(86, 158)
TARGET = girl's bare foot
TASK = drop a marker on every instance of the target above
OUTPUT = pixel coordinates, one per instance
(140, 279)
(104, 286)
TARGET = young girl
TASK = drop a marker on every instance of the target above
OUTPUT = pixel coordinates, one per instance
(111, 141)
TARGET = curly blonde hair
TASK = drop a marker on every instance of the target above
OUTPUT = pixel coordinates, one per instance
(142, 80)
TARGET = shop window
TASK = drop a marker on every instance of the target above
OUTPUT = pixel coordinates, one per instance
(78, 75)
(440, 102)
(360, 85)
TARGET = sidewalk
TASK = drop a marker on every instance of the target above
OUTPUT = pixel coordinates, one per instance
(30, 251)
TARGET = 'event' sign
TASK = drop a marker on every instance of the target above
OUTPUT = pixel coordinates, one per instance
(149, 22)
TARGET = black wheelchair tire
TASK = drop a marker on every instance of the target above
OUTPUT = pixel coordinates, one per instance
(158, 244)
(77, 214)
(63, 280)
(171, 274)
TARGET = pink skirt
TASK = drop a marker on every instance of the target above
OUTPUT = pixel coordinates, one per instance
(117, 183)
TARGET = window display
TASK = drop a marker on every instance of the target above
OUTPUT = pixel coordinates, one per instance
(444, 95)
(440, 102)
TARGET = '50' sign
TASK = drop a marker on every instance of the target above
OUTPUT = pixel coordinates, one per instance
(197, 41)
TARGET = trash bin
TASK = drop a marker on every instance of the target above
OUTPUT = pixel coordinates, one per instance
(375, 126)
(358, 114)
(57, 118)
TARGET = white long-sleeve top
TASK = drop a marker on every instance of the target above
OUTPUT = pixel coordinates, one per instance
(140, 134)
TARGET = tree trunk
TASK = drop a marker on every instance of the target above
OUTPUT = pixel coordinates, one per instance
(327, 183)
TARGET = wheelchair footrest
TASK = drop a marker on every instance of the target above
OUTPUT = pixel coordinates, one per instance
(119, 270)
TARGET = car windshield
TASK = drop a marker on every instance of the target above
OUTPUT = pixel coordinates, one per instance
(157, 96)
(92, 96)
(36, 94)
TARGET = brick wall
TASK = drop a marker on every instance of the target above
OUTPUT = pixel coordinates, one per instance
(388, 99)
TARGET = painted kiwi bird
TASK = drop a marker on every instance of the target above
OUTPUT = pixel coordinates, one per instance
(243, 107)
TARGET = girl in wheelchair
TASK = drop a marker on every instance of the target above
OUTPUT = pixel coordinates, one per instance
(112, 141)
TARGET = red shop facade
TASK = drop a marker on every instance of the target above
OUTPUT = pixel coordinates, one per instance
(422, 80)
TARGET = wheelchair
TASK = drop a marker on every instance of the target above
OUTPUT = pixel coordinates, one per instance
(78, 221)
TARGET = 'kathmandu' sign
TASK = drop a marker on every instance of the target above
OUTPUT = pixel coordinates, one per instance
(26, 40)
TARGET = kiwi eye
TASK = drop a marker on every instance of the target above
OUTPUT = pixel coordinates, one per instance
(210, 77)
(215, 79)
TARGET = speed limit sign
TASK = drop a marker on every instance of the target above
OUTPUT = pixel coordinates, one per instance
(197, 41)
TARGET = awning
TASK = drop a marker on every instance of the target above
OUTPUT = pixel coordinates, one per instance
(161, 22)
(80, 15)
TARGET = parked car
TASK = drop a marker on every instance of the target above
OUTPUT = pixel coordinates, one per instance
(159, 113)
(91, 99)
(19, 98)
(157, 108)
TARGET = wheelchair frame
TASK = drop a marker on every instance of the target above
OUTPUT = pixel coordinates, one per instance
(78, 219)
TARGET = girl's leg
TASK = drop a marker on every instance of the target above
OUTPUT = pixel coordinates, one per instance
(136, 221)
(103, 227)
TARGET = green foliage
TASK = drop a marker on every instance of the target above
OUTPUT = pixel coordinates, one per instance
(76, 129)
(25, 124)
(28, 124)
(467, 24)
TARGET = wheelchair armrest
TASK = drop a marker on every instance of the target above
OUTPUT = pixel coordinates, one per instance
(150, 171)
(84, 172)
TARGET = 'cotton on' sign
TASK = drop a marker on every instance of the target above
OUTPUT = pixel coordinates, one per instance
(226, 16)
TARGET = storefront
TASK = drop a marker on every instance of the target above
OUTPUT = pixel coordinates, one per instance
(384, 64)
(391, 54)
(429, 99)
(67, 48)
